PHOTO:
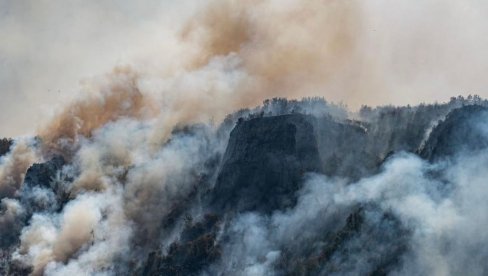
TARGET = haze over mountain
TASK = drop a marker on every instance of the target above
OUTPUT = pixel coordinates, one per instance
(221, 143)
(286, 188)
(356, 52)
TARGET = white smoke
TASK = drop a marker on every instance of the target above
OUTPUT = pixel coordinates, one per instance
(446, 220)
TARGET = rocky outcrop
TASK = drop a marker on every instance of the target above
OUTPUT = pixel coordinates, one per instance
(343, 148)
(5, 145)
(42, 189)
(463, 130)
(42, 174)
(267, 157)
(264, 163)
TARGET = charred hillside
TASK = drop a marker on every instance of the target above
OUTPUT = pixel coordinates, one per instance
(288, 188)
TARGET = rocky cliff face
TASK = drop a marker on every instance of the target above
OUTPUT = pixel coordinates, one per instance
(266, 156)
(462, 131)
(5, 145)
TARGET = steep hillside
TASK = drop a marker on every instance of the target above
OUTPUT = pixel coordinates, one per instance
(289, 188)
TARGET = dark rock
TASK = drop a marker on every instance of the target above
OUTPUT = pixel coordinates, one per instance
(461, 131)
(42, 174)
(5, 145)
(42, 189)
(266, 158)
(264, 163)
(343, 149)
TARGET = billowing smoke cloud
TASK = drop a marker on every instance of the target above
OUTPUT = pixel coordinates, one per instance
(239, 56)
(127, 170)
(120, 97)
(357, 52)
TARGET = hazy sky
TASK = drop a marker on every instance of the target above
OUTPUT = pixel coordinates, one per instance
(412, 51)
(48, 47)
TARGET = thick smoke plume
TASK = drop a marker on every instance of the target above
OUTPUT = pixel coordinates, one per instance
(171, 166)
(118, 97)
(240, 55)
(357, 52)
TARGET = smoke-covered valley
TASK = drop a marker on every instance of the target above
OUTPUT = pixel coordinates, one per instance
(227, 147)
